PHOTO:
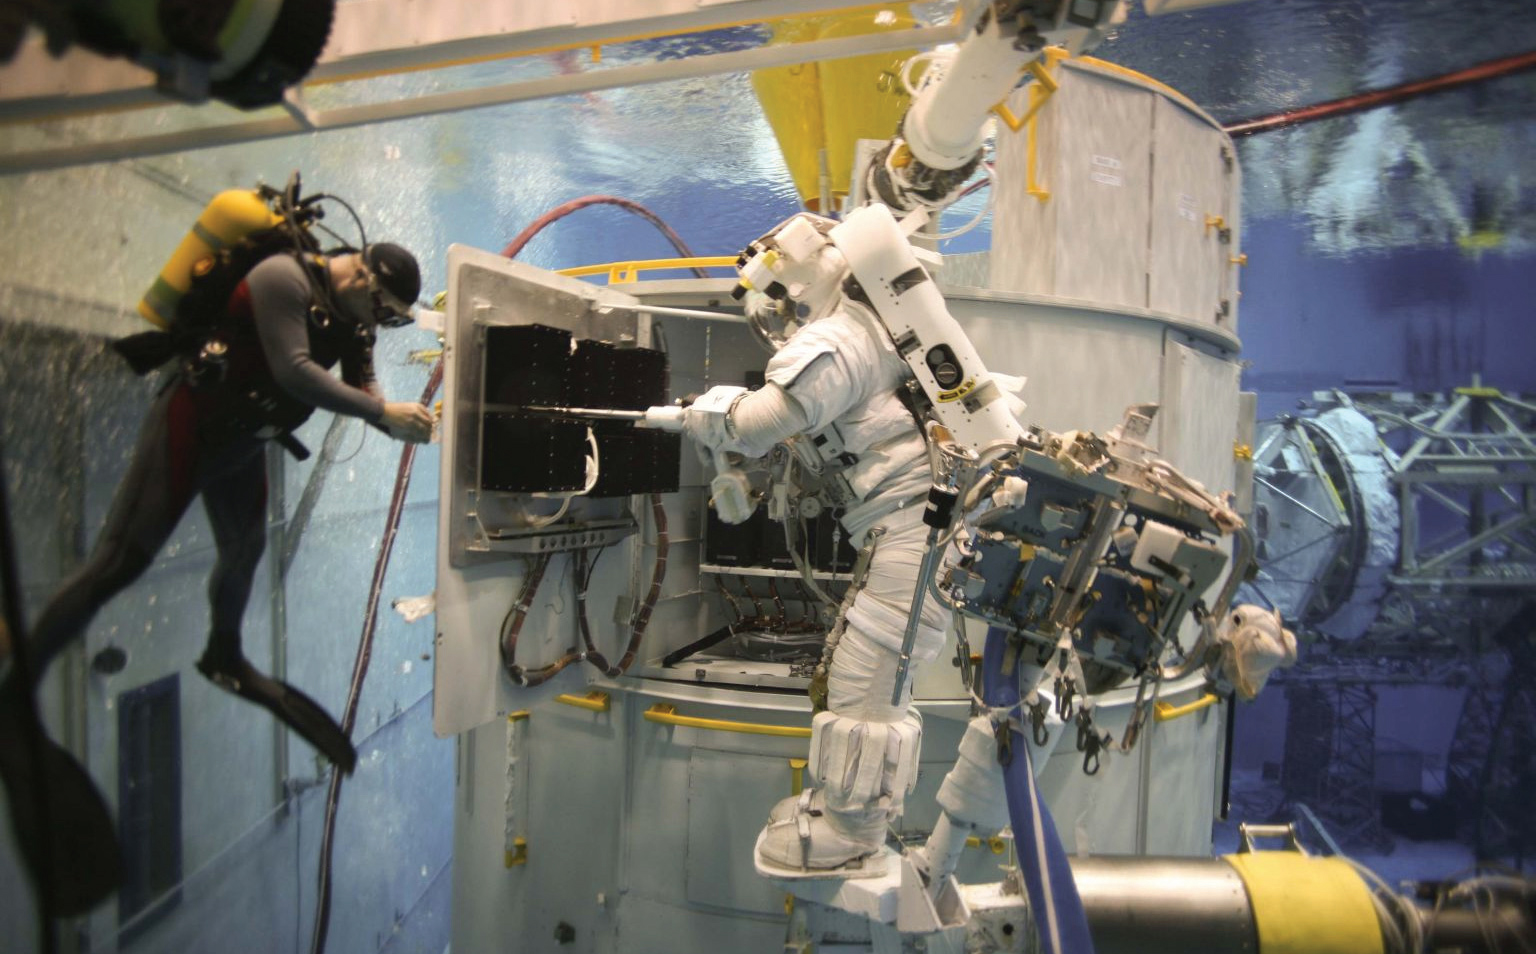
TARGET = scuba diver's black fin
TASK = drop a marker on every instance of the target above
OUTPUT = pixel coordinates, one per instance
(84, 864)
(299, 712)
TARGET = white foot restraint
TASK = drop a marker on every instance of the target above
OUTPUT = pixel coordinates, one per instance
(836, 830)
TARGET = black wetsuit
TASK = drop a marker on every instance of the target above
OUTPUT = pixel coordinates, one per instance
(206, 434)
(209, 439)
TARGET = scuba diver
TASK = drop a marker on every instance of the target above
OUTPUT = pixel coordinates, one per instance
(251, 371)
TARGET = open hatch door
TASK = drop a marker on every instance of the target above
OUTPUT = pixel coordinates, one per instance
(520, 485)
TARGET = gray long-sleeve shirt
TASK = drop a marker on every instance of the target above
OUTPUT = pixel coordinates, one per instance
(280, 300)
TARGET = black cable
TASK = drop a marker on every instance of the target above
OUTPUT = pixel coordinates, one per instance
(21, 674)
(592, 567)
(699, 645)
(362, 233)
(360, 671)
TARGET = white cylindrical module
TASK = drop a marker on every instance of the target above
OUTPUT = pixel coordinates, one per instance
(1106, 293)
(1119, 193)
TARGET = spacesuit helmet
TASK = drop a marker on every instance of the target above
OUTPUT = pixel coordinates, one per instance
(790, 277)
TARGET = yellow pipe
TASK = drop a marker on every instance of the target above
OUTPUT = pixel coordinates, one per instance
(517, 716)
(797, 775)
(1165, 712)
(1306, 905)
(596, 700)
(621, 273)
(1031, 152)
(666, 714)
(1016, 123)
(1042, 71)
(1479, 392)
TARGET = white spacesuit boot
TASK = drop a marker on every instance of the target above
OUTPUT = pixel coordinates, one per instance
(972, 796)
(972, 800)
(863, 762)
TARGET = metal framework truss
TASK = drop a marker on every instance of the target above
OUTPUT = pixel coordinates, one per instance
(1457, 471)
(1465, 486)
(1492, 765)
(1330, 758)
(373, 37)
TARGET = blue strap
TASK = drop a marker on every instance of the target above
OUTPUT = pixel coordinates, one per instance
(1059, 915)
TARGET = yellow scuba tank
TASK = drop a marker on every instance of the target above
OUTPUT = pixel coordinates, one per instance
(230, 217)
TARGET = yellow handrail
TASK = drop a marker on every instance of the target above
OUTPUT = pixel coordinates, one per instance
(517, 854)
(994, 844)
(1165, 711)
(1039, 92)
(623, 273)
(797, 775)
(596, 700)
(1016, 123)
(666, 714)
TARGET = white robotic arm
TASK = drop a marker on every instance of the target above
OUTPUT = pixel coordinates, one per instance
(941, 136)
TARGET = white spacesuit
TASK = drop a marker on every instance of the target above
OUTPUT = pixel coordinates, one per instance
(838, 377)
(837, 372)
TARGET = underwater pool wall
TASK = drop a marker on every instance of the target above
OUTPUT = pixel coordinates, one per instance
(82, 245)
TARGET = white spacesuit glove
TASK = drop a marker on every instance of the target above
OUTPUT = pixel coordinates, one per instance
(1254, 643)
(708, 420)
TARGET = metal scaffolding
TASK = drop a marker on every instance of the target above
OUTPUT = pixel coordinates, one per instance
(1447, 480)
(1330, 758)
(1465, 487)
(1492, 767)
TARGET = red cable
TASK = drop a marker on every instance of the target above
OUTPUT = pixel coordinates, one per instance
(508, 640)
(360, 665)
(387, 544)
(561, 211)
(1493, 69)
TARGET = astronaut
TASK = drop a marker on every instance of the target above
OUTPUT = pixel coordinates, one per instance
(837, 380)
